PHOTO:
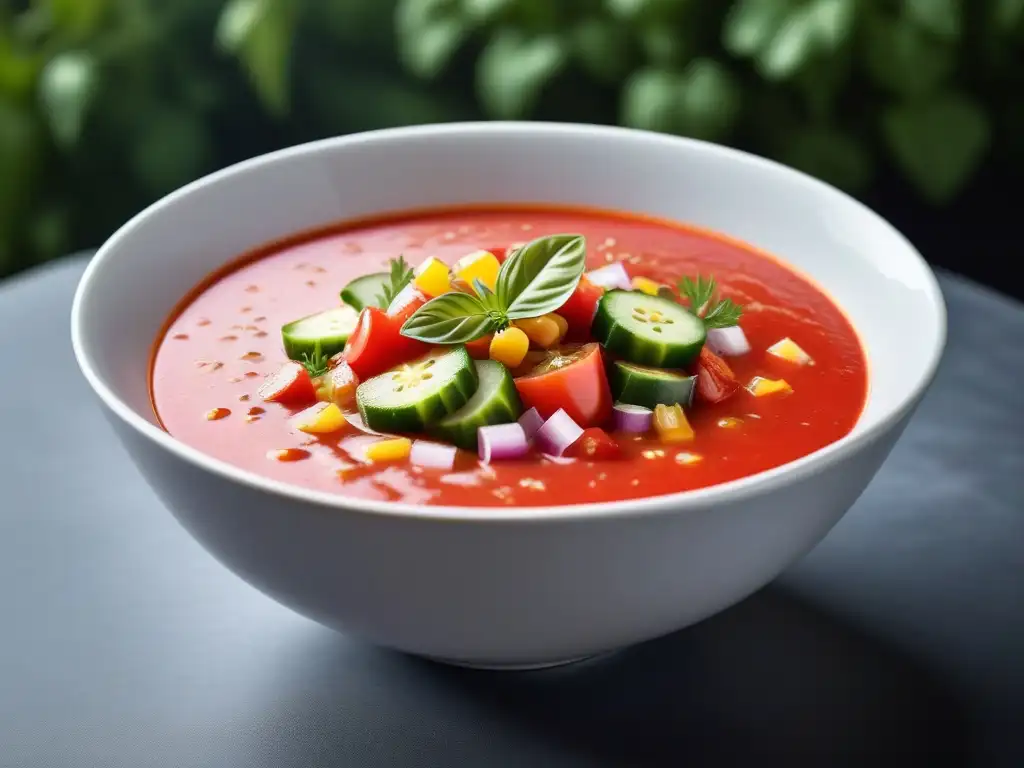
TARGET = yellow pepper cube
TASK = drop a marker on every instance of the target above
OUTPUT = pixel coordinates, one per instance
(788, 350)
(671, 424)
(431, 278)
(542, 331)
(392, 449)
(761, 387)
(319, 419)
(563, 325)
(481, 265)
(509, 347)
(645, 285)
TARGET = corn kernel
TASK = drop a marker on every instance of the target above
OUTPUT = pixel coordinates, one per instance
(319, 419)
(481, 265)
(646, 285)
(671, 424)
(788, 350)
(509, 347)
(563, 325)
(432, 278)
(541, 331)
(761, 387)
(392, 449)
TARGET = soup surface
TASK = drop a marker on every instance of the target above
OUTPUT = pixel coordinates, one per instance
(226, 340)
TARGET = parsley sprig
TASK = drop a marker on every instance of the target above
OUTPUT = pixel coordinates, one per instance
(316, 362)
(400, 275)
(701, 293)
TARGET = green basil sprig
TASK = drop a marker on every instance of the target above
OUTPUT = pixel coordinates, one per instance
(534, 280)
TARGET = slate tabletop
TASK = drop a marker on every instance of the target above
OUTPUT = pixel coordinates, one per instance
(899, 640)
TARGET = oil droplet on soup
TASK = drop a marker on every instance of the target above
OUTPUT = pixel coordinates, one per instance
(288, 454)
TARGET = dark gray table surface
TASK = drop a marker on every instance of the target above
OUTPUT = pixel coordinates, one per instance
(123, 644)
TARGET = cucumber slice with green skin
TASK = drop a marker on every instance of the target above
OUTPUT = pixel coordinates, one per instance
(324, 333)
(363, 291)
(647, 330)
(649, 387)
(414, 396)
(496, 401)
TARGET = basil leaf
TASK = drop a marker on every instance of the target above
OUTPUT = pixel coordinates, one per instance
(452, 318)
(540, 276)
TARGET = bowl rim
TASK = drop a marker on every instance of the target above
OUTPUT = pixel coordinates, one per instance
(731, 491)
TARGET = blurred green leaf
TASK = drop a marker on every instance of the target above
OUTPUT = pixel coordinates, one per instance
(602, 48)
(791, 47)
(830, 155)
(513, 70)
(833, 21)
(942, 18)
(171, 148)
(649, 100)
(903, 60)
(429, 33)
(18, 71)
(19, 161)
(751, 24)
(259, 33)
(938, 142)
(66, 88)
(48, 230)
(1007, 14)
(708, 100)
(486, 11)
(663, 44)
(644, 10)
(77, 18)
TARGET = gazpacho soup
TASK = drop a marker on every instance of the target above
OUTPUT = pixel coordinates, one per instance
(528, 356)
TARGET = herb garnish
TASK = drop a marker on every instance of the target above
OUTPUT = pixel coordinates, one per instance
(401, 275)
(703, 303)
(534, 280)
(315, 363)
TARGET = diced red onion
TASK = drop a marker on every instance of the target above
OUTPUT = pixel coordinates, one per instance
(632, 418)
(426, 453)
(501, 441)
(531, 421)
(611, 276)
(728, 342)
(557, 433)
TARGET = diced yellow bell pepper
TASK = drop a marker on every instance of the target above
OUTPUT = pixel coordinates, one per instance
(319, 419)
(789, 350)
(481, 265)
(761, 387)
(392, 449)
(542, 331)
(431, 278)
(509, 347)
(671, 424)
(563, 325)
(646, 285)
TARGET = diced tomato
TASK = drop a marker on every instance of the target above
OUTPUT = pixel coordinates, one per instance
(499, 253)
(594, 444)
(377, 343)
(572, 378)
(479, 349)
(581, 307)
(715, 380)
(290, 385)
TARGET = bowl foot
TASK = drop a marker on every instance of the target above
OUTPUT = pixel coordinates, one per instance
(527, 667)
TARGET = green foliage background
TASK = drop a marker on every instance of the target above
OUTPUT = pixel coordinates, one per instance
(105, 105)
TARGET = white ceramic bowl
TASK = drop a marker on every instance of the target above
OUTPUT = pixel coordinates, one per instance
(509, 587)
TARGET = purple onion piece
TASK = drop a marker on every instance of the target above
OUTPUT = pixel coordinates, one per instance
(632, 418)
(531, 421)
(557, 434)
(426, 453)
(611, 276)
(501, 441)
(728, 342)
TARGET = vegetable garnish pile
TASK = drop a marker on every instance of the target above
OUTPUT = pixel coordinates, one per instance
(509, 353)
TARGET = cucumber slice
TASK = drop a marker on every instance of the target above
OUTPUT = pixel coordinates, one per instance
(640, 385)
(363, 291)
(496, 401)
(647, 330)
(324, 332)
(413, 396)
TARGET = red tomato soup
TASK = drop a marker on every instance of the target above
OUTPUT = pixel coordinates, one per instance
(751, 411)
